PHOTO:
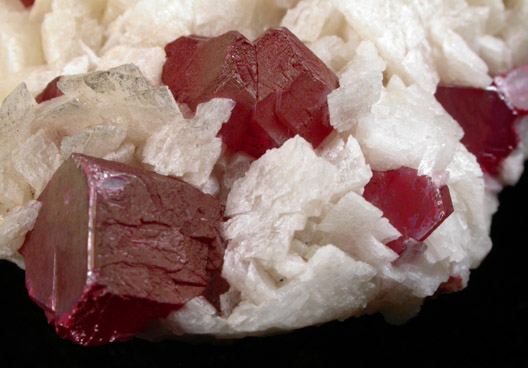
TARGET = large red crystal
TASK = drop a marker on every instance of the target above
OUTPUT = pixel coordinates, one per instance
(412, 203)
(279, 85)
(114, 247)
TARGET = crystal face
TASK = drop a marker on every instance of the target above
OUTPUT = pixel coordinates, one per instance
(114, 247)
(279, 85)
(487, 121)
(412, 203)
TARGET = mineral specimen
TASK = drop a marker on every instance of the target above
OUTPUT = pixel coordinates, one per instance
(114, 247)
(303, 245)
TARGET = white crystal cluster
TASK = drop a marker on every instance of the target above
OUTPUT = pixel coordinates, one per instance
(304, 246)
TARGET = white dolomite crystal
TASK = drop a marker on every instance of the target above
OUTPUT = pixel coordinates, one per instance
(303, 245)
(189, 149)
(149, 60)
(360, 85)
(332, 285)
(407, 127)
(13, 228)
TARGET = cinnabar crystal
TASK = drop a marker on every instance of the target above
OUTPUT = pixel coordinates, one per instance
(412, 203)
(279, 85)
(487, 120)
(115, 246)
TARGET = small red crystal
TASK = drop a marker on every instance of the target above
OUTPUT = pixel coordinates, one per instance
(453, 284)
(51, 91)
(488, 123)
(279, 85)
(27, 3)
(115, 246)
(412, 203)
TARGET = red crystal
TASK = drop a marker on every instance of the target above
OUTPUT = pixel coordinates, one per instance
(412, 203)
(279, 85)
(27, 3)
(453, 284)
(488, 123)
(115, 246)
(51, 91)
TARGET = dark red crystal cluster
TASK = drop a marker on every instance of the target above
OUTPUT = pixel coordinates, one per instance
(279, 85)
(116, 246)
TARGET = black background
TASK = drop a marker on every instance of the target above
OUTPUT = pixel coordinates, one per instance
(487, 323)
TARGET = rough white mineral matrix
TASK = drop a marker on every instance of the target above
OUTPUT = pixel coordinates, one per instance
(304, 247)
